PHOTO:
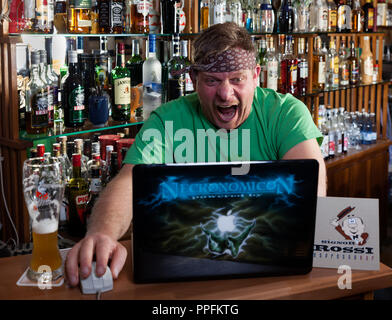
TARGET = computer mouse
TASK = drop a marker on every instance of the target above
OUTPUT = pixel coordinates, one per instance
(93, 285)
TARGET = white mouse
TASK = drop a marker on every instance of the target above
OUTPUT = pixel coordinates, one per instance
(93, 285)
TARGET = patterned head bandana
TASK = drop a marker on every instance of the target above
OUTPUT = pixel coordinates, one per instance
(227, 61)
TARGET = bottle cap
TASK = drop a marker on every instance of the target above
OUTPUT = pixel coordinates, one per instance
(76, 160)
(40, 150)
(121, 47)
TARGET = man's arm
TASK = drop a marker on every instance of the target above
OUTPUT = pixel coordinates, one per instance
(309, 149)
(111, 218)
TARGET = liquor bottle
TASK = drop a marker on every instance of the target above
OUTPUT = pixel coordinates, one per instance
(63, 152)
(281, 45)
(40, 150)
(235, 8)
(332, 16)
(366, 62)
(113, 164)
(48, 86)
(77, 193)
(332, 81)
(168, 16)
(344, 68)
(272, 64)
(72, 94)
(86, 65)
(29, 16)
(218, 11)
(101, 164)
(78, 148)
(267, 16)
(289, 67)
(319, 62)
(357, 17)
(164, 58)
(331, 136)
(286, 17)
(303, 68)
(322, 16)
(60, 16)
(324, 131)
(101, 69)
(16, 9)
(116, 16)
(382, 9)
(204, 15)
(152, 79)
(369, 17)
(343, 130)
(353, 62)
(53, 79)
(79, 16)
(184, 56)
(41, 16)
(141, 16)
(104, 16)
(344, 17)
(94, 17)
(94, 191)
(36, 100)
(263, 63)
(176, 81)
(135, 67)
(121, 93)
(338, 133)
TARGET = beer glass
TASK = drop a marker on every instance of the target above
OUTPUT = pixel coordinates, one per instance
(43, 188)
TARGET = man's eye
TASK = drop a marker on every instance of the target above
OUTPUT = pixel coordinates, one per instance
(236, 80)
(211, 81)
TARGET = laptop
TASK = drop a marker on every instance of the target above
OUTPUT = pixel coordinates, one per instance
(199, 221)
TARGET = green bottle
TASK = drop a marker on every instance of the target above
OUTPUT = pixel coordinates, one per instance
(121, 93)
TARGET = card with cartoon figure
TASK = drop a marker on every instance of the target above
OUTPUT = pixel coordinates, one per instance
(347, 233)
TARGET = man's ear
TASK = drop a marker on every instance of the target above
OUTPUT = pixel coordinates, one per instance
(193, 75)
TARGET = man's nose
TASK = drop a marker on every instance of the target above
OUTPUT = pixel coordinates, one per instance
(225, 90)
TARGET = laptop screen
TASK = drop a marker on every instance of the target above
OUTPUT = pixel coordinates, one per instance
(200, 221)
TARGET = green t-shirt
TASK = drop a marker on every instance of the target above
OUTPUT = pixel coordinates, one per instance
(179, 132)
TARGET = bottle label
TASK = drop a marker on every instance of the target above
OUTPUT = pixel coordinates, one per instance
(331, 147)
(321, 72)
(272, 75)
(345, 76)
(152, 93)
(80, 4)
(122, 91)
(322, 20)
(143, 7)
(104, 14)
(117, 14)
(76, 104)
(368, 67)
(344, 17)
(303, 69)
(81, 199)
(95, 185)
(219, 13)
(293, 74)
(188, 83)
(370, 18)
(84, 23)
(325, 146)
(332, 19)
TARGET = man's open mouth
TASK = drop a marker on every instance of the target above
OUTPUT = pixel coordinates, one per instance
(227, 113)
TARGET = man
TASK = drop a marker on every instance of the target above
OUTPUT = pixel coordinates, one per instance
(227, 99)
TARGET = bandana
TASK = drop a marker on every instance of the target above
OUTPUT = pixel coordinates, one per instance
(227, 61)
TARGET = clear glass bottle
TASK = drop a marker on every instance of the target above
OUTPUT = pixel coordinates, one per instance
(36, 100)
(357, 16)
(79, 16)
(217, 14)
(272, 65)
(332, 66)
(303, 68)
(366, 62)
(322, 16)
(236, 12)
(354, 65)
(152, 79)
(263, 63)
(204, 14)
(344, 68)
(332, 16)
(48, 85)
(322, 125)
(289, 68)
(319, 66)
(267, 16)
(184, 56)
(344, 17)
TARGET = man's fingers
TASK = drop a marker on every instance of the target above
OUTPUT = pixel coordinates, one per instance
(102, 251)
(118, 260)
(86, 257)
(71, 265)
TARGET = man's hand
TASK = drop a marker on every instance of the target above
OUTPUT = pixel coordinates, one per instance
(104, 247)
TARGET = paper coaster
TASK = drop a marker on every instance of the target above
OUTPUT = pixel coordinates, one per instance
(24, 281)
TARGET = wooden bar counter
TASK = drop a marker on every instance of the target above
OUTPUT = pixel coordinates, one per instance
(320, 283)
